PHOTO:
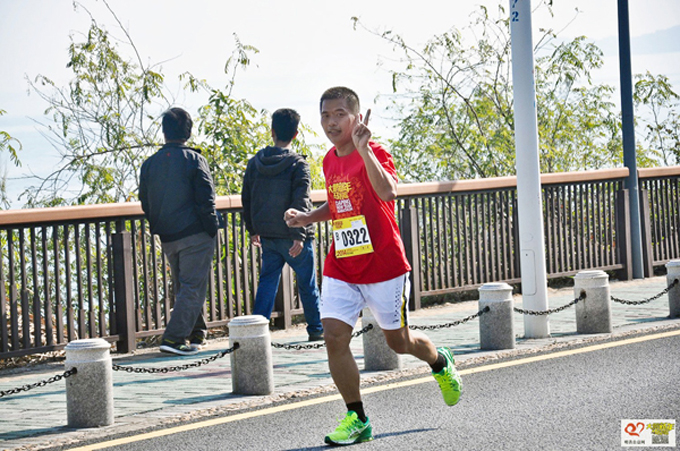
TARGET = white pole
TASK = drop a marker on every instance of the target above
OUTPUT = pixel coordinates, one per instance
(532, 251)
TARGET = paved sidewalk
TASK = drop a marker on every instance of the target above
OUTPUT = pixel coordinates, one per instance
(36, 419)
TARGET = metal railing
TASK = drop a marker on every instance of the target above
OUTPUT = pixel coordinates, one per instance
(96, 271)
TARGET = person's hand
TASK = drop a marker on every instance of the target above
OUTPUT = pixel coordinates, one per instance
(255, 240)
(295, 218)
(295, 249)
(361, 133)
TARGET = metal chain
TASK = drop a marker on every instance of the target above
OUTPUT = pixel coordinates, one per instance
(317, 345)
(455, 323)
(645, 301)
(52, 379)
(169, 369)
(548, 312)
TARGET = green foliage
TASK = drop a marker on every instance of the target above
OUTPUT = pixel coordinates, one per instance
(10, 144)
(105, 122)
(454, 103)
(658, 104)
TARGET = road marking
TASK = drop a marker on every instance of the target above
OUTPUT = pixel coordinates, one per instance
(379, 388)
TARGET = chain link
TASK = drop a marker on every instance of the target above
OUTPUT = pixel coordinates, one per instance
(645, 301)
(316, 345)
(455, 323)
(548, 312)
(52, 379)
(130, 369)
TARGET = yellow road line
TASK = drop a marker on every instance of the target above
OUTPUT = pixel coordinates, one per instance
(379, 388)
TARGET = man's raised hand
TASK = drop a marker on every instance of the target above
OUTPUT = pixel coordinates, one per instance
(361, 134)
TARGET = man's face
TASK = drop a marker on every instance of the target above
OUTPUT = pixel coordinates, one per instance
(337, 121)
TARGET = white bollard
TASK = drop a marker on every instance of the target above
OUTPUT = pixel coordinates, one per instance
(496, 327)
(672, 273)
(89, 392)
(252, 370)
(377, 355)
(593, 314)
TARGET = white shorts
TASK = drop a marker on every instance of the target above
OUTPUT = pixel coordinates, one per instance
(387, 300)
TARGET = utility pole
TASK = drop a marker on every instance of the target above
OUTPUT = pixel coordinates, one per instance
(530, 205)
(628, 129)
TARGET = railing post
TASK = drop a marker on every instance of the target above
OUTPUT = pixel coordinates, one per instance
(672, 273)
(408, 225)
(124, 293)
(593, 314)
(89, 393)
(645, 223)
(252, 369)
(284, 299)
(623, 236)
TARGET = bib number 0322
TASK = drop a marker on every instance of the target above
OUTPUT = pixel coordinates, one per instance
(351, 237)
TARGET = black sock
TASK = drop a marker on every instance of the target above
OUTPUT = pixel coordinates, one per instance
(358, 407)
(439, 364)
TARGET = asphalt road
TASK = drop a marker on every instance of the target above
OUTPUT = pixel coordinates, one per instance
(570, 400)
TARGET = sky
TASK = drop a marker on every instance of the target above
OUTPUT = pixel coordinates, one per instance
(305, 46)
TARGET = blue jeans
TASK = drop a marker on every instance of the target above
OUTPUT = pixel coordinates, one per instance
(274, 255)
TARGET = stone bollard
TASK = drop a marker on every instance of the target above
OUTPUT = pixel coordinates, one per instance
(252, 370)
(593, 314)
(496, 327)
(89, 392)
(672, 273)
(377, 355)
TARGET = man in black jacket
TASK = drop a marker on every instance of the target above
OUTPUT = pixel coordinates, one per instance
(275, 180)
(178, 199)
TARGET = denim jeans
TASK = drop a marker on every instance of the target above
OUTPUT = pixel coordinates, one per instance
(190, 261)
(274, 255)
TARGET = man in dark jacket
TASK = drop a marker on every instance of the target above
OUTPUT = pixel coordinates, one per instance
(178, 199)
(275, 180)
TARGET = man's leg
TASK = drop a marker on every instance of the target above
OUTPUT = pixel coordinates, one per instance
(415, 343)
(270, 275)
(343, 300)
(392, 314)
(194, 262)
(343, 367)
(305, 271)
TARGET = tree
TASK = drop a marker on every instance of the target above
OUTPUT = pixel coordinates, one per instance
(12, 146)
(105, 122)
(454, 104)
(657, 107)
(230, 130)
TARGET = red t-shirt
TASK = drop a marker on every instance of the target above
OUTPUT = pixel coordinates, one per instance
(350, 195)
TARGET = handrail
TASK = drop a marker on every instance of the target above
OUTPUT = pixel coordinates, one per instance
(102, 211)
(668, 171)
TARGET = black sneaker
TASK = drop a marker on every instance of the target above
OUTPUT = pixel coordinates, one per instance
(178, 348)
(316, 337)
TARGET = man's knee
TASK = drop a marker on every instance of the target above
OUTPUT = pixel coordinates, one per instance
(336, 334)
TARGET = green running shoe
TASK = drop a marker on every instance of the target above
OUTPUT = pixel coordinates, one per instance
(449, 379)
(351, 430)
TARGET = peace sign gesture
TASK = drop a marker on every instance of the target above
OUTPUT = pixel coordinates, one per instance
(361, 133)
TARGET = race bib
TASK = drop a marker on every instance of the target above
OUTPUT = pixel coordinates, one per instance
(351, 237)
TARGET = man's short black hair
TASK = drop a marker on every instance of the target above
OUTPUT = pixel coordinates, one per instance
(177, 125)
(340, 92)
(285, 124)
